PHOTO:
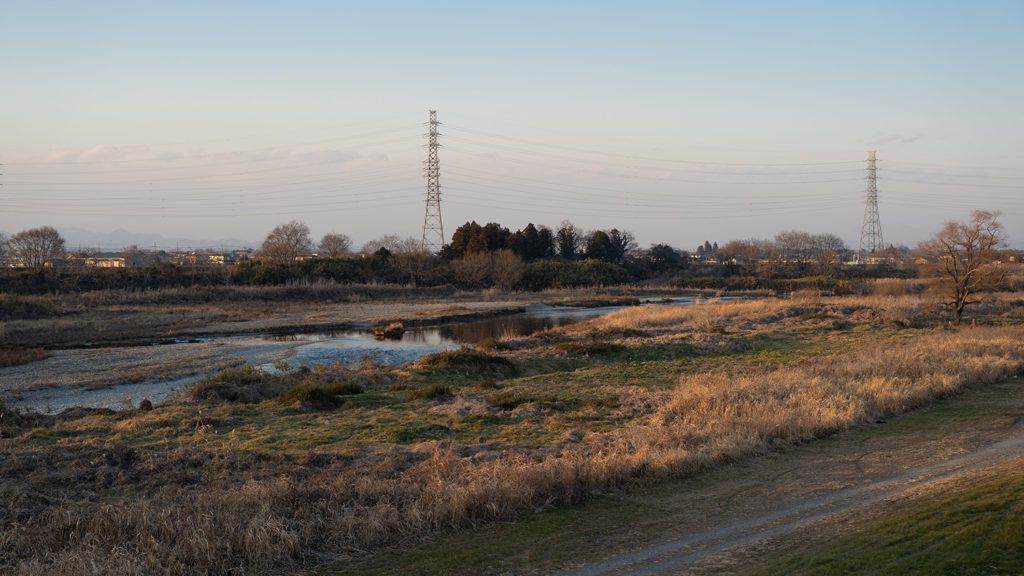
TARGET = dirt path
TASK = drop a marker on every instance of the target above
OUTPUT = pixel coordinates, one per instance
(677, 555)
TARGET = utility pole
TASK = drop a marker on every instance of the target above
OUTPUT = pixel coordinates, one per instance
(871, 229)
(433, 230)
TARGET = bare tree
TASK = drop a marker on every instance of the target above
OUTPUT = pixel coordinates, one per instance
(392, 243)
(335, 245)
(796, 246)
(507, 269)
(473, 269)
(965, 253)
(4, 249)
(37, 248)
(286, 243)
(828, 251)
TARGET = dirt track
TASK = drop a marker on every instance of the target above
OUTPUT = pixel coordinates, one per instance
(753, 507)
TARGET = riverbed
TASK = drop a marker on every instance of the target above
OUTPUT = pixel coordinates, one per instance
(121, 377)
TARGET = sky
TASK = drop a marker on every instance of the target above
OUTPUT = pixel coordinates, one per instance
(678, 121)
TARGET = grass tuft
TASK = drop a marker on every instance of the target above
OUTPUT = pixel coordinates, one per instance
(320, 397)
(431, 392)
(469, 359)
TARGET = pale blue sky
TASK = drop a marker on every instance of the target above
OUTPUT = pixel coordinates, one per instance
(679, 121)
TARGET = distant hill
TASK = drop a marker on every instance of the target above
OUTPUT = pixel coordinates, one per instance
(76, 238)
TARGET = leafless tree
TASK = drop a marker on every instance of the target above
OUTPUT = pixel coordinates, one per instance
(286, 243)
(827, 252)
(965, 253)
(37, 248)
(507, 269)
(335, 245)
(796, 246)
(3, 250)
(473, 269)
(392, 243)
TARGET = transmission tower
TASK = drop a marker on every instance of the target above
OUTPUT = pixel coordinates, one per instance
(871, 229)
(433, 230)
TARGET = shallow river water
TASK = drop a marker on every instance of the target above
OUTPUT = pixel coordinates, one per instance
(323, 348)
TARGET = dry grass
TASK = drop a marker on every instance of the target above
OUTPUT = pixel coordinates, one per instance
(211, 510)
(745, 315)
(265, 522)
(19, 356)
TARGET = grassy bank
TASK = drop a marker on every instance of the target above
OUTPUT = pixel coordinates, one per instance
(257, 472)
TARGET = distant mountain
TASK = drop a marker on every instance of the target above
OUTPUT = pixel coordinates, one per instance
(78, 238)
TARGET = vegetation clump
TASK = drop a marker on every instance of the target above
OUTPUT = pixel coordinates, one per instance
(469, 359)
(320, 397)
(431, 392)
(491, 344)
(244, 384)
(19, 307)
(413, 433)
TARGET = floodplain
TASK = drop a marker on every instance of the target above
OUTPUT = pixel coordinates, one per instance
(328, 468)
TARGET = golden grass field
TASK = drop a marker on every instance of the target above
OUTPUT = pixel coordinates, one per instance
(254, 473)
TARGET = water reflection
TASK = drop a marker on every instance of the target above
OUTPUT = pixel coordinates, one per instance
(348, 347)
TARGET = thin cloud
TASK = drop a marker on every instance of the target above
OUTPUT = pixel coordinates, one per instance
(881, 139)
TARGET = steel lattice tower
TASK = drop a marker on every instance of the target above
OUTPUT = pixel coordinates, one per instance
(871, 229)
(433, 230)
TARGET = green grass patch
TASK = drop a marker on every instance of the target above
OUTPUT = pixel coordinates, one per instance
(431, 392)
(588, 348)
(322, 397)
(973, 530)
(512, 400)
(405, 434)
(471, 360)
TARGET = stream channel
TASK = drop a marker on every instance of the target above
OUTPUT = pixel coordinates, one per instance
(325, 348)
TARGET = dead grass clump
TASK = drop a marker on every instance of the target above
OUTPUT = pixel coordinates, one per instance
(19, 356)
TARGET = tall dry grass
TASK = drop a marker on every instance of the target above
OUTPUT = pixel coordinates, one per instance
(400, 493)
(759, 313)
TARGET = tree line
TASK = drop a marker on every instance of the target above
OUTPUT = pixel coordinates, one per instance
(532, 258)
